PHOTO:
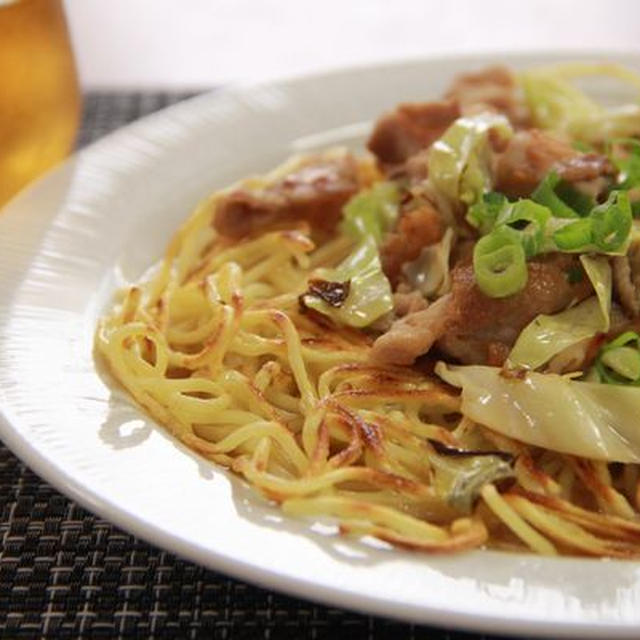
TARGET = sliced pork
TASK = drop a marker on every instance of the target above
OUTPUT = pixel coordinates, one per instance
(413, 335)
(410, 127)
(476, 329)
(494, 88)
(417, 227)
(314, 191)
(484, 329)
(531, 154)
(406, 303)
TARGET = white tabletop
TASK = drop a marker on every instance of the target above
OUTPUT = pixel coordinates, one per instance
(200, 43)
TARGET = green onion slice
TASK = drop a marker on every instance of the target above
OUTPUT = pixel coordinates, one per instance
(573, 236)
(499, 263)
(545, 194)
(611, 222)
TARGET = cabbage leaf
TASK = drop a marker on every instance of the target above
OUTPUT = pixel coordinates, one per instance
(618, 361)
(591, 420)
(459, 162)
(369, 292)
(559, 105)
(372, 211)
(460, 478)
(430, 273)
(357, 292)
(547, 335)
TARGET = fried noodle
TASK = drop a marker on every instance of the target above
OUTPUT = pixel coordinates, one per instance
(215, 346)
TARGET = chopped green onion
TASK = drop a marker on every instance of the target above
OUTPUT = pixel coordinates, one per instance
(580, 202)
(573, 236)
(611, 222)
(483, 214)
(532, 236)
(546, 223)
(499, 263)
(627, 162)
(546, 195)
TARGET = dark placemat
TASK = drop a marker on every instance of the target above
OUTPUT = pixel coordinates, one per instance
(65, 573)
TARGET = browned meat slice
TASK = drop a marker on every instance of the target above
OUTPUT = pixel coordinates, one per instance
(584, 167)
(400, 134)
(493, 87)
(413, 335)
(483, 329)
(314, 191)
(417, 228)
(410, 127)
(531, 154)
(527, 159)
(476, 329)
(626, 280)
(406, 303)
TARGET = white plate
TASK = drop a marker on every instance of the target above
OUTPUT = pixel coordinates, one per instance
(107, 214)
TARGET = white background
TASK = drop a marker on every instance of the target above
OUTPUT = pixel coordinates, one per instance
(200, 43)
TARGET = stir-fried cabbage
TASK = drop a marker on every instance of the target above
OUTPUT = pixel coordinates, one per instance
(557, 104)
(357, 292)
(460, 478)
(368, 290)
(591, 420)
(547, 335)
(459, 162)
(618, 361)
(372, 212)
(429, 273)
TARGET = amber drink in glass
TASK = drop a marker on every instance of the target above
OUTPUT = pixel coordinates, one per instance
(39, 97)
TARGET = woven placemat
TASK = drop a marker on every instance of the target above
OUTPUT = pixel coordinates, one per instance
(65, 573)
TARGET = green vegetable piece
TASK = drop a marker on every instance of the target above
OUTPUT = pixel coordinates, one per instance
(499, 263)
(547, 335)
(557, 104)
(369, 295)
(618, 361)
(367, 216)
(580, 202)
(598, 270)
(459, 162)
(532, 235)
(483, 214)
(624, 361)
(574, 236)
(460, 479)
(611, 222)
(372, 212)
(625, 155)
(546, 195)
(585, 419)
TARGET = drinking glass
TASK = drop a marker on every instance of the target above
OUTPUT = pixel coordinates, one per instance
(39, 95)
